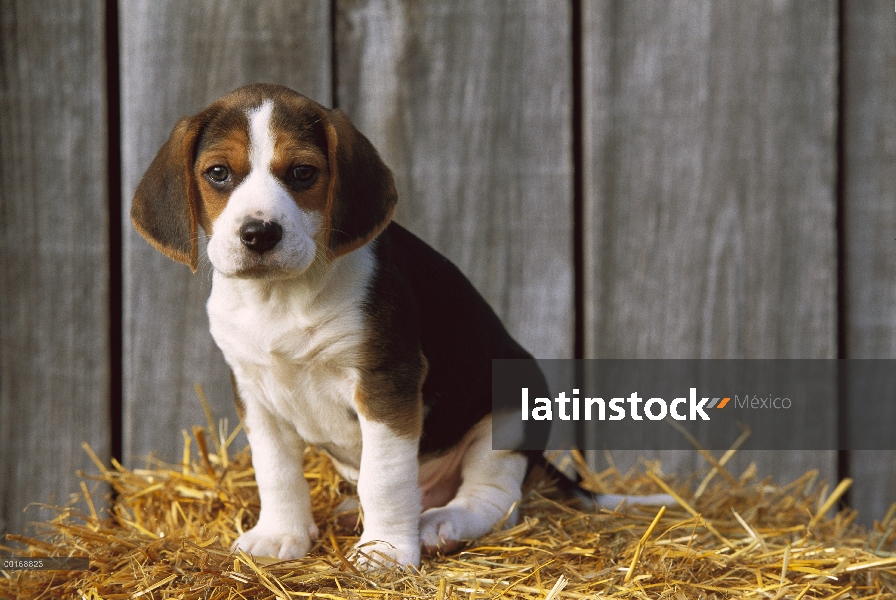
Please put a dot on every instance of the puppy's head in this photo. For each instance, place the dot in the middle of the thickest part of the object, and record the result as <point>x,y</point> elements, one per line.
<point>273,178</point>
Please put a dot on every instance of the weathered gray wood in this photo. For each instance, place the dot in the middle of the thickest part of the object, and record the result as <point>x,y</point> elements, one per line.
<point>54,279</point>
<point>709,166</point>
<point>470,104</point>
<point>176,58</point>
<point>874,484</point>
<point>869,170</point>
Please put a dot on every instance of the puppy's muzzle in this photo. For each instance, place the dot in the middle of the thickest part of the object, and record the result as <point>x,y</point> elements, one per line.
<point>260,236</point>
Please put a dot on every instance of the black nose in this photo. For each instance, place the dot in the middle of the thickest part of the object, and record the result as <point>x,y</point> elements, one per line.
<point>260,236</point>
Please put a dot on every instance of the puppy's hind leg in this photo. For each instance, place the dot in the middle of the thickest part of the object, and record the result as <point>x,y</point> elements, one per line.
<point>491,485</point>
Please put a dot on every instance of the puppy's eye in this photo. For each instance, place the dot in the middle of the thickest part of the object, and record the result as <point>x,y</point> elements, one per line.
<point>303,173</point>
<point>218,174</point>
<point>301,176</point>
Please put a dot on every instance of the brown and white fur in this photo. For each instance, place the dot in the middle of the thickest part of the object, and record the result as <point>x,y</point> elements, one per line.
<point>341,329</point>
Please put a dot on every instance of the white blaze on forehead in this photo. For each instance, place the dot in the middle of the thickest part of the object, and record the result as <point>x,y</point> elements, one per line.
<point>261,139</point>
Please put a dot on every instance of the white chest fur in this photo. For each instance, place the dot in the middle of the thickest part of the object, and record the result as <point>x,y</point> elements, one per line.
<point>294,347</point>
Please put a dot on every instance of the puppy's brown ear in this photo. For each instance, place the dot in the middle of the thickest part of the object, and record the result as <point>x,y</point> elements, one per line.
<point>165,209</point>
<point>362,193</point>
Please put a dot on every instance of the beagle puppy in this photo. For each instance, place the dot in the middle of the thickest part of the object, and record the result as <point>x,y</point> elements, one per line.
<point>341,329</point>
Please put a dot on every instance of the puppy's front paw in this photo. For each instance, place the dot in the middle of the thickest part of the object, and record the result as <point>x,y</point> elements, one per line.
<point>377,555</point>
<point>282,543</point>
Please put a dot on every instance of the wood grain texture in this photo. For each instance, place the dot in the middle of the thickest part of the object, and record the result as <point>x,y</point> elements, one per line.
<point>54,279</point>
<point>176,57</point>
<point>709,175</point>
<point>869,210</point>
<point>469,103</point>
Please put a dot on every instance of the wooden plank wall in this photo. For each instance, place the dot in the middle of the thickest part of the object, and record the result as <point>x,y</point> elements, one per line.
<point>54,244</point>
<point>869,216</point>
<point>709,164</point>
<point>710,186</point>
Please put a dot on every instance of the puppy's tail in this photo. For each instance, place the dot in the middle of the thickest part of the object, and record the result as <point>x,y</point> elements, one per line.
<point>613,501</point>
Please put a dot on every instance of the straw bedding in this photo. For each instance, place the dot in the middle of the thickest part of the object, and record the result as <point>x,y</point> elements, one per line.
<point>168,531</point>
